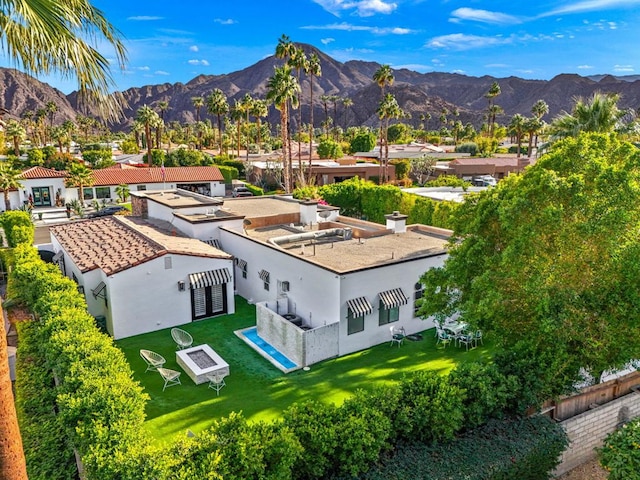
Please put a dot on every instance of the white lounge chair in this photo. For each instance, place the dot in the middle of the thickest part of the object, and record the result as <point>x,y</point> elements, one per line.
<point>152,359</point>
<point>170,377</point>
<point>182,338</point>
<point>216,381</point>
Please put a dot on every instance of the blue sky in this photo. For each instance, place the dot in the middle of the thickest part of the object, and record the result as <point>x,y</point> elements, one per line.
<point>176,41</point>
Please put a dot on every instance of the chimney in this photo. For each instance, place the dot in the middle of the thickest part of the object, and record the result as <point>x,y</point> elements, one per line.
<point>397,222</point>
<point>308,211</point>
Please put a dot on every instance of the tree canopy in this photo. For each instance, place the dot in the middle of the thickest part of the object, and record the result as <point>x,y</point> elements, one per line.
<point>549,260</point>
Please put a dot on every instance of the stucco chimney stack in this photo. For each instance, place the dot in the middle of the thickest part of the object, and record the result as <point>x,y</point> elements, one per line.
<point>308,212</point>
<point>397,222</point>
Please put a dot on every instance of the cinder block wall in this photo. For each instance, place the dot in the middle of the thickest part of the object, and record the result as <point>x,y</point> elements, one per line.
<point>588,430</point>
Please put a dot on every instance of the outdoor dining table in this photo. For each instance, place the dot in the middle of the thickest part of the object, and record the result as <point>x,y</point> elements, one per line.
<point>455,327</point>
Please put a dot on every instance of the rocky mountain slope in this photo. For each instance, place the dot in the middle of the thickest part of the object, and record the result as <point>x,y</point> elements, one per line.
<point>417,93</point>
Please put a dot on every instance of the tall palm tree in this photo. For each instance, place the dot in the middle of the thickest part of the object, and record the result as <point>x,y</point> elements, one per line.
<point>282,89</point>
<point>59,135</point>
<point>259,109</point>
<point>9,180</point>
<point>149,118</point>
<point>246,104</point>
<point>285,47</point>
<point>346,104</point>
<point>387,110</point>
<point>325,99</point>
<point>517,128</point>
<point>236,114</point>
<point>313,69</point>
<point>162,107</point>
<point>493,92</point>
<point>198,103</point>
<point>217,105</point>
<point>298,60</point>
<point>539,110</point>
<point>79,176</point>
<point>532,126</point>
<point>16,132</point>
<point>599,114</point>
<point>383,76</point>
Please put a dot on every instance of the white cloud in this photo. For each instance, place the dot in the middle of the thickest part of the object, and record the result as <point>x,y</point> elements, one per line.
<point>227,21</point>
<point>416,67</point>
<point>194,48</point>
<point>349,27</point>
<point>585,67</point>
<point>461,72</point>
<point>362,8</point>
<point>204,63</point>
<point>144,18</point>
<point>496,65</point>
<point>143,69</point>
<point>590,6</point>
<point>483,16</point>
<point>461,41</point>
<point>327,41</point>
<point>161,72</point>
<point>623,68</point>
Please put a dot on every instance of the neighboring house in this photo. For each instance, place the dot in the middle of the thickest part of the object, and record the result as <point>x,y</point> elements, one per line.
<point>498,167</point>
<point>205,180</point>
<point>345,282</point>
<point>139,277</point>
<point>450,194</point>
<point>46,187</point>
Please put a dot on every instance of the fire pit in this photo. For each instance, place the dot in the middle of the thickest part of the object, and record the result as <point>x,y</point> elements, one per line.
<point>200,361</point>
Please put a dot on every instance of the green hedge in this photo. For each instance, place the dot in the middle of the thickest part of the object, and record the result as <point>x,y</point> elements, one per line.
<point>517,449</point>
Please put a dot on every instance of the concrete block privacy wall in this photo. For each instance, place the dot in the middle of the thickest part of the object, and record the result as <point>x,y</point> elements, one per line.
<point>588,430</point>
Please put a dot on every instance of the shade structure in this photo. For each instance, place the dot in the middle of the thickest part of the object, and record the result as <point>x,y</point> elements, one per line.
<point>209,278</point>
<point>359,306</point>
<point>393,298</point>
<point>264,276</point>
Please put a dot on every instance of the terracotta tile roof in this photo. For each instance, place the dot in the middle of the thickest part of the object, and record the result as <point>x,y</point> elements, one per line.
<point>114,244</point>
<point>135,175</point>
<point>41,172</point>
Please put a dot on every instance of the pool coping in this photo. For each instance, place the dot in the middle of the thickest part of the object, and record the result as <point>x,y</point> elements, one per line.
<point>262,353</point>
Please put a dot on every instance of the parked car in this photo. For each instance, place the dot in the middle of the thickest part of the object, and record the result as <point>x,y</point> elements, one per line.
<point>109,210</point>
<point>241,192</point>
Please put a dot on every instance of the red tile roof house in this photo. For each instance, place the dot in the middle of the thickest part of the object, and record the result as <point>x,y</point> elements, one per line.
<point>143,277</point>
<point>45,185</point>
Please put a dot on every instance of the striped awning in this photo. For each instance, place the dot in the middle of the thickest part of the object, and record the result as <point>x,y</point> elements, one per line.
<point>56,258</point>
<point>264,276</point>
<point>99,290</point>
<point>211,277</point>
<point>242,264</point>
<point>214,242</point>
<point>393,298</point>
<point>359,306</point>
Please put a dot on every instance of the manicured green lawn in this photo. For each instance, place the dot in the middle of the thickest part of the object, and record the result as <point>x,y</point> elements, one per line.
<point>260,390</point>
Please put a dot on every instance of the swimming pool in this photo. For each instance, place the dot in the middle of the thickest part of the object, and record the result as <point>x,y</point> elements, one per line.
<point>268,351</point>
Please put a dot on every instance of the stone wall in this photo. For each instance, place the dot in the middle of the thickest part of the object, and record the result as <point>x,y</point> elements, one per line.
<point>588,430</point>
<point>321,343</point>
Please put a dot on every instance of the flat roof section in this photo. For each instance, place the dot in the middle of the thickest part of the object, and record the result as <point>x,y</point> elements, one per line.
<point>178,198</point>
<point>344,256</point>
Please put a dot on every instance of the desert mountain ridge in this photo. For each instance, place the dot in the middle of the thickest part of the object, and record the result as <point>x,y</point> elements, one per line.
<point>417,93</point>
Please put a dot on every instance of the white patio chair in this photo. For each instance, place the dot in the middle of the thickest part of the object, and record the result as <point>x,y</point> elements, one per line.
<point>152,359</point>
<point>467,339</point>
<point>170,377</point>
<point>397,335</point>
<point>443,337</point>
<point>216,381</point>
<point>182,338</point>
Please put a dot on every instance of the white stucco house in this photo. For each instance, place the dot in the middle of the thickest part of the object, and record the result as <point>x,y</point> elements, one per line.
<point>138,277</point>
<point>324,285</point>
<point>45,187</point>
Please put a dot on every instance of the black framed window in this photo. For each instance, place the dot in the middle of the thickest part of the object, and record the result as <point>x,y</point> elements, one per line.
<point>354,324</point>
<point>388,315</point>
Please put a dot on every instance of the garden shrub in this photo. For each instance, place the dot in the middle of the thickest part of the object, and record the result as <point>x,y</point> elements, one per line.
<point>514,449</point>
<point>94,157</point>
<point>257,191</point>
<point>229,173</point>
<point>402,168</point>
<point>363,142</point>
<point>523,149</point>
<point>330,149</point>
<point>620,454</point>
<point>12,219</point>
<point>228,162</point>
<point>468,147</point>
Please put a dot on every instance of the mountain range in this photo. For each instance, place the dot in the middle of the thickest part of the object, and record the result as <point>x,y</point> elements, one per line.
<point>417,93</point>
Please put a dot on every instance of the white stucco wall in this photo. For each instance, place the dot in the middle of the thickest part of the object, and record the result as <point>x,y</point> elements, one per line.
<point>146,298</point>
<point>53,184</point>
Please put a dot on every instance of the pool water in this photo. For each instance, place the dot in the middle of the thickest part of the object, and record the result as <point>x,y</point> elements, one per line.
<point>277,357</point>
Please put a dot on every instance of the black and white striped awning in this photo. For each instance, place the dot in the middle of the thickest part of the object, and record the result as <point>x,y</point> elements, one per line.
<point>57,257</point>
<point>211,277</point>
<point>393,298</point>
<point>264,276</point>
<point>214,242</point>
<point>242,264</point>
<point>359,306</point>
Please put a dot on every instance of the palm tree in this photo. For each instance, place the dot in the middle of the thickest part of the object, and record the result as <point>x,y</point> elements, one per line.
<point>259,109</point>
<point>387,110</point>
<point>313,69</point>
<point>79,176</point>
<point>162,107</point>
<point>599,114</point>
<point>285,47</point>
<point>237,114</point>
<point>517,128</point>
<point>532,126</point>
<point>149,118</point>
<point>70,128</point>
<point>493,92</point>
<point>9,180</point>
<point>59,135</point>
<point>246,104</point>
<point>52,108</point>
<point>539,110</point>
<point>198,103</point>
<point>282,89</point>
<point>123,192</point>
<point>325,99</point>
<point>17,133</point>
<point>383,77</point>
<point>217,105</point>
<point>298,60</point>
